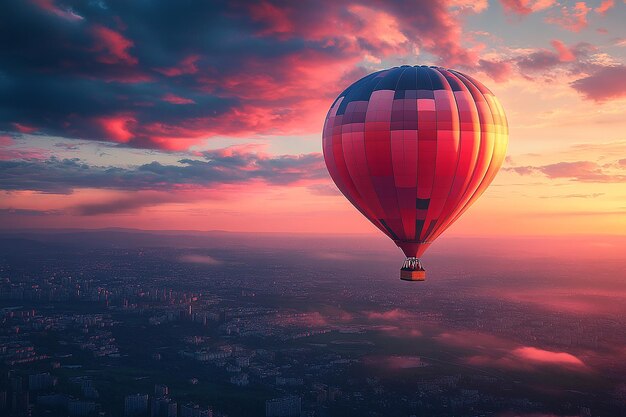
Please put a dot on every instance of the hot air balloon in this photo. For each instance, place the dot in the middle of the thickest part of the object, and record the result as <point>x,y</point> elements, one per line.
<point>412,148</point>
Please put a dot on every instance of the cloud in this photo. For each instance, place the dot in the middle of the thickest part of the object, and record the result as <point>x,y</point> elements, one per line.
<point>541,356</point>
<point>200,259</point>
<point>186,66</point>
<point>582,171</point>
<point>174,99</point>
<point>28,212</point>
<point>22,128</point>
<point>50,7</point>
<point>605,6</point>
<point>613,149</point>
<point>231,68</point>
<point>399,331</point>
<point>506,354</point>
<point>112,47</point>
<point>7,154</point>
<point>498,70</point>
<point>541,60</point>
<point>327,189</point>
<point>123,204</point>
<point>233,165</point>
<point>526,7</point>
<point>604,84</point>
<point>565,53</point>
<point>391,315</point>
<point>592,195</point>
<point>573,19</point>
<point>117,127</point>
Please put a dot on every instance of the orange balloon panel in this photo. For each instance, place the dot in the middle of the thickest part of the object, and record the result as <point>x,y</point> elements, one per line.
<point>413,147</point>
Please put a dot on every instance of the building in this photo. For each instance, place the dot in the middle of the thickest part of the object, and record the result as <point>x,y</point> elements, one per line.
<point>241,380</point>
<point>164,407</point>
<point>283,407</point>
<point>38,382</point>
<point>80,408</point>
<point>161,390</point>
<point>136,405</point>
<point>194,410</point>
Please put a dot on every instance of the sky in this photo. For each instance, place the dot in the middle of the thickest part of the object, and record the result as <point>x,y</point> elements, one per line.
<point>193,115</point>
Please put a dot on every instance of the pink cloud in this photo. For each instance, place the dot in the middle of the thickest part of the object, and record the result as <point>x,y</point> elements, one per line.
<point>473,6</point>
<point>526,7</point>
<point>395,314</point>
<point>50,7</point>
<point>605,6</point>
<point>541,356</point>
<point>174,99</point>
<point>583,301</point>
<point>571,169</point>
<point>565,53</point>
<point>527,170</point>
<point>117,128</point>
<point>7,153</point>
<point>22,128</point>
<point>583,171</point>
<point>399,331</point>
<point>374,30</point>
<point>11,154</point>
<point>275,19</point>
<point>395,362</point>
<point>499,71</point>
<point>200,259</point>
<point>607,83</point>
<point>574,19</point>
<point>260,93</point>
<point>113,46</point>
<point>187,66</point>
<point>527,358</point>
<point>545,59</point>
<point>244,121</point>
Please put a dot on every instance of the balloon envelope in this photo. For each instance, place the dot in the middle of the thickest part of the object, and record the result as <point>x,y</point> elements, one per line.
<point>413,147</point>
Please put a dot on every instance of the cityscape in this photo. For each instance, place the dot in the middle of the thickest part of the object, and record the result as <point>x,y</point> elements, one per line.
<point>315,208</point>
<point>130,323</point>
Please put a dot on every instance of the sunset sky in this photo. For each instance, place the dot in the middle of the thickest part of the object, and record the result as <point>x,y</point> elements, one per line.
<point>208,115</point>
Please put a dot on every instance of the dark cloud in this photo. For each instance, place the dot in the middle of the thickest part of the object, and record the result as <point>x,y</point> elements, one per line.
<point>164,74</point>
<point>604,84</point>
<point>29,212</point>
<point>560,56</point>
<point>122,204</point>
<point>498,70</point>
<point>225,166</point>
